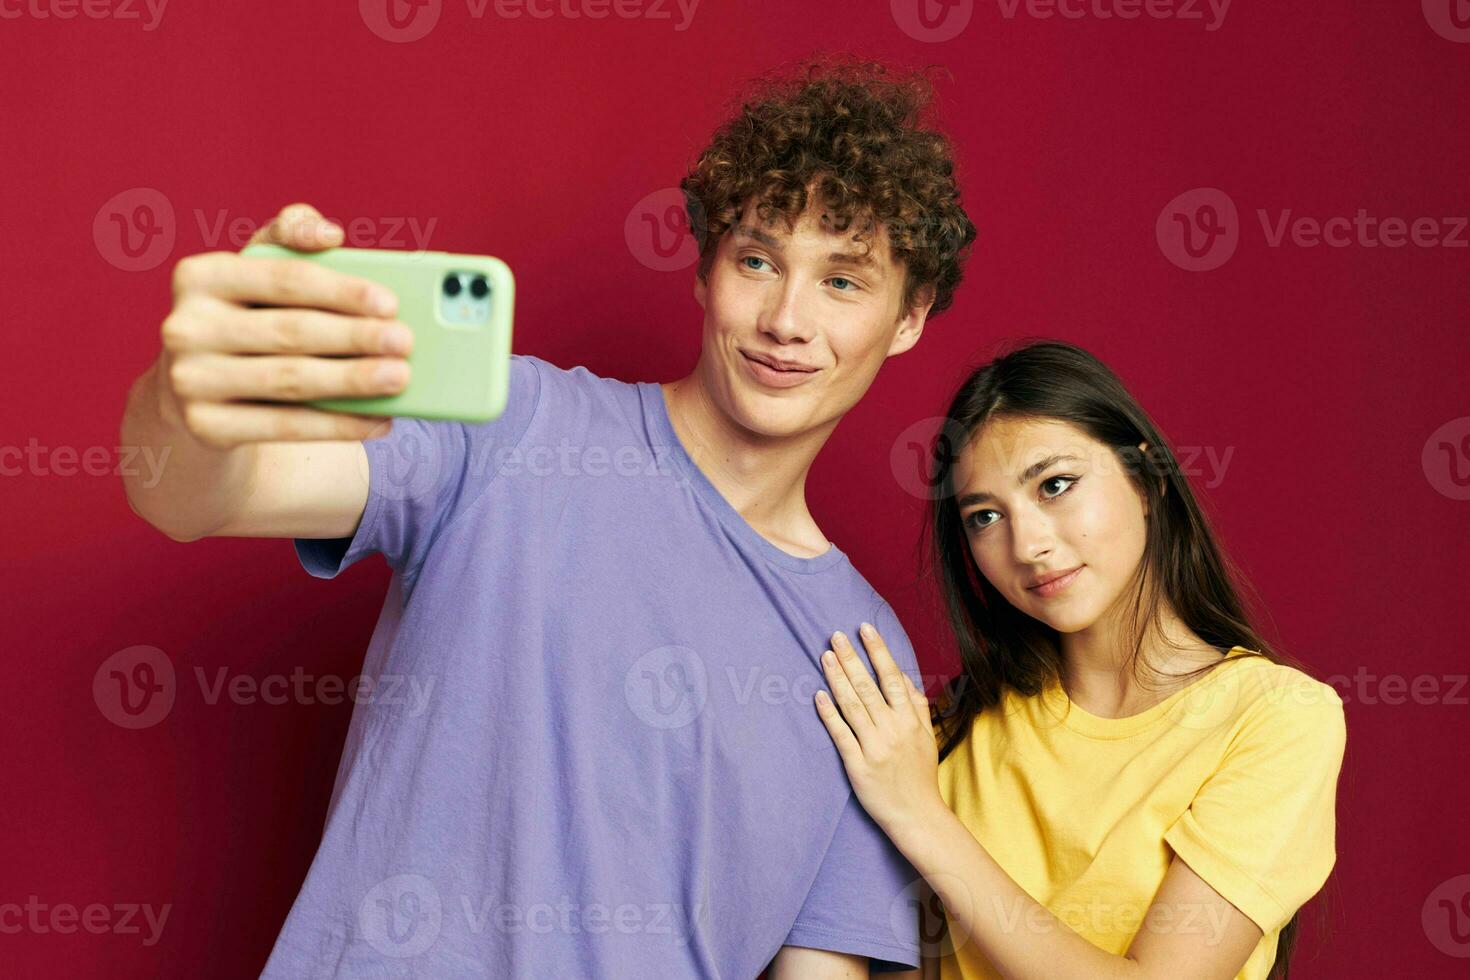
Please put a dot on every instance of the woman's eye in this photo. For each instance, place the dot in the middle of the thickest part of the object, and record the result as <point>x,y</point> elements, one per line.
<point>1070,481</point>
<point>976,521</point>
<point>848,281</point>
<point>750,258</point>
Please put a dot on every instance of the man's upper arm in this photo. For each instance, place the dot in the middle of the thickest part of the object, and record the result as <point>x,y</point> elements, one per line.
<point>865,898</point>
<point>416,482</point>
<point>801,963</point>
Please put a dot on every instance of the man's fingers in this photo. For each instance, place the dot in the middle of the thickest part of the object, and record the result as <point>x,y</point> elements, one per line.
<point>232,423</point>
<point>299,226</point>
<point>214,377</point>
<point>210,325</point>
<point>281,282</point>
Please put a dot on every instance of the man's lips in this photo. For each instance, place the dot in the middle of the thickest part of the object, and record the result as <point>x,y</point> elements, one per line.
<point>778,365</point>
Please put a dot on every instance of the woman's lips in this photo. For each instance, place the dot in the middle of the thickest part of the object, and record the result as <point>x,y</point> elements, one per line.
<point>1057,585</point>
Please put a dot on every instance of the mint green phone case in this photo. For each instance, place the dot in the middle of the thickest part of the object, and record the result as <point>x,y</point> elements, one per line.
<point>458,371</point>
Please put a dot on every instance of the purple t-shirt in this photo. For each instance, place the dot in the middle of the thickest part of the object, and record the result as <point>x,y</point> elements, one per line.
<point>585,746</point>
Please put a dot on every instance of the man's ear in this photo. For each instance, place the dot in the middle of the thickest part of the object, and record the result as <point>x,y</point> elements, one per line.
<point>912,324</point>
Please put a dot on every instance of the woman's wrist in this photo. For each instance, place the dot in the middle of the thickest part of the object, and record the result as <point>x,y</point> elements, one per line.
<point>911,831</point>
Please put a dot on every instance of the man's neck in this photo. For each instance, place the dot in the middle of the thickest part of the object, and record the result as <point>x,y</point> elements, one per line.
<point>764,480</point>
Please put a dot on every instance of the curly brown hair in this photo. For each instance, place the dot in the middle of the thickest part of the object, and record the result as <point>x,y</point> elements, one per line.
<point>851,132</point>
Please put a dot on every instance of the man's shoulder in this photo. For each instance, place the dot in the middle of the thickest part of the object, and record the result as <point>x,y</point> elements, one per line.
<point>881,614</point>
<point>570,387</point>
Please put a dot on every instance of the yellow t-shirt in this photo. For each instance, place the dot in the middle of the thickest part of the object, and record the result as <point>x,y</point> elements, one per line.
<point>1235,773</point>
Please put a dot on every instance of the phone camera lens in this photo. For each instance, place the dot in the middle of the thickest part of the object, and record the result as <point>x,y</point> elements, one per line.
<point>452,285</point>
<point>479,288</point>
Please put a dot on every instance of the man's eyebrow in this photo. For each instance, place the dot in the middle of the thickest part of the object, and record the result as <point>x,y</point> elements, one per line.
<point>1032,471</point>
<point>864,260</point>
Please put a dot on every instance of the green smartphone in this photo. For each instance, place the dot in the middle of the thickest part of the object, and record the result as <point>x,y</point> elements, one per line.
<point>459,308</point>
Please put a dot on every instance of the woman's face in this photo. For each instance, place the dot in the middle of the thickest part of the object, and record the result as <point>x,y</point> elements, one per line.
<point>1039,497</point>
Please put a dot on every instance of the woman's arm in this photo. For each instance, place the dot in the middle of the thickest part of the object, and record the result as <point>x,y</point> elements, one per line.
<point>888,746</point>
<point>1189,931</point>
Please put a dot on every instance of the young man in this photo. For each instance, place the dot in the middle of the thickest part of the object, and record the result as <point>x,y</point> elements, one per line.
<point>614,593</point>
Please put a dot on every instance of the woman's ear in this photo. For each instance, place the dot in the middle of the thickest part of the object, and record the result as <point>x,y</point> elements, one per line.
<point>1143,458</point>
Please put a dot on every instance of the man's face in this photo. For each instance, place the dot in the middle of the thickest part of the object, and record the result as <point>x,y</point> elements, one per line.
<point>809,299</point>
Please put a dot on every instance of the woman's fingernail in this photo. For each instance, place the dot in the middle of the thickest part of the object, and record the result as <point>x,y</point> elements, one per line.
<point>828,660</point>
<point>866,629</point>
<point>840,637</point>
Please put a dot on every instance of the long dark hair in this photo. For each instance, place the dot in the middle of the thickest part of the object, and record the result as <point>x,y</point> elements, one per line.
<point>1002,648</point>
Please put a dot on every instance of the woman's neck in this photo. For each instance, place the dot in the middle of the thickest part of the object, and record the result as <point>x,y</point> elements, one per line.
<point>1102,677</point>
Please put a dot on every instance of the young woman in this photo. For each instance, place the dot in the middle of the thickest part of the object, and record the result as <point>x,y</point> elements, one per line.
<point>1124,780</point>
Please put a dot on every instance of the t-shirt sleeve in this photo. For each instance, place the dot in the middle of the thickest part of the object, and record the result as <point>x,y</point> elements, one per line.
<point>420,476</point>
<point>865,898</point>
<point>1261,830</point>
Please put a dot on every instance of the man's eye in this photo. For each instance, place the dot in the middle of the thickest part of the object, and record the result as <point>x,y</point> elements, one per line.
<point>836,279</point>
<point>752,258</point>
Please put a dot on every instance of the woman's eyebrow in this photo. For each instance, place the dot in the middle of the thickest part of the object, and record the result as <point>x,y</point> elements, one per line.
<point>982,496</point>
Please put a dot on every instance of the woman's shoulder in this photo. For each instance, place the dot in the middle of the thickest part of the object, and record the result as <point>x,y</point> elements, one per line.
<point>1268,694</point>
<point>1267,677</point>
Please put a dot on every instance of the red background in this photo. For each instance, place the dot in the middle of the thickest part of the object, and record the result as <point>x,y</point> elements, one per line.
<point>1325,371</point>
